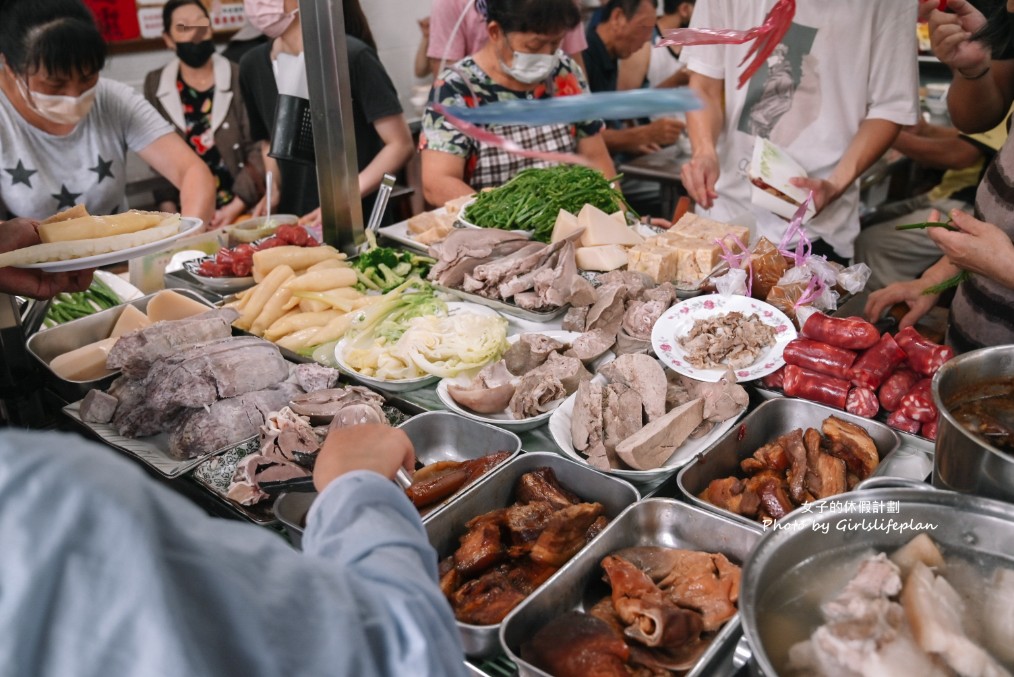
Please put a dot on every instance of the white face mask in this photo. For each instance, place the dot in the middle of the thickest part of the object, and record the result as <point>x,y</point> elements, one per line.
<point>531,68</point>
<point>58,109</point>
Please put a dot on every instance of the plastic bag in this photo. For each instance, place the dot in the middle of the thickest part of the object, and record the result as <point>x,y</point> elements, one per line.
<point>768,266</point>
<point>854,278</point>
<point>783,296</point>
<point>733,282</point>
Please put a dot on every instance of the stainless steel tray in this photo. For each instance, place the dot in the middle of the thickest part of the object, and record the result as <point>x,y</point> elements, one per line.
<point>765,423</point>
<point>48,344</point>
<point>653,522</point>
<point>504,307</point>
<point>436,436</point>
<point>497,491</point>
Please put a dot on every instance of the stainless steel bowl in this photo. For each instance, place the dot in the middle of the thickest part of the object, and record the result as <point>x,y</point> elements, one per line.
<point>964,461</point>
<point>497,491</point>
<point>799,551</point>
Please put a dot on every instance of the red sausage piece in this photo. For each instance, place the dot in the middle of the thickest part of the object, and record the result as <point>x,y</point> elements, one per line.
<point>775,380</point>
<point>896,386</point>
<point>929,430</point>
<point>924,355</point>
<point>815,387</point>
<point>877,363</point>
<point>899,421</point>
<point>862,402</point>
<point>917,404</point>
<point>819,357</point>
<point>851,333</point>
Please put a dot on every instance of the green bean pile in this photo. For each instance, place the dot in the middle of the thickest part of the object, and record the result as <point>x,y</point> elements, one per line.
<point>70,306</point>
<point>532,199</point>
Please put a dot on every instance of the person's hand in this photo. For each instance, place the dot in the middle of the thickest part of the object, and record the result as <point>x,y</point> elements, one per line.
<point>663,131</point>
<point>424,27</point>
<point>368,446</point>
<point>228,214</point>
<point>19,233</point>
<point>979,247</point>
<point>311,219</point>
<point>909,293</point>
<point>824,192</point>
<point>950,33</point>
<point>699,177</point>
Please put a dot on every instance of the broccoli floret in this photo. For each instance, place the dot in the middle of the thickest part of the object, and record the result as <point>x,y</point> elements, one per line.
<point>374,257</point>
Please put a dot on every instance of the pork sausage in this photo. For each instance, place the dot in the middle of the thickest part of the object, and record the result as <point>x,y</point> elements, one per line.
<point>917,404</point>
<point>877,363</point>
<point>815,387</point>
<point>924,355</point>
<point>862,402</point>
<point>851,333</point>
<point>820,357</point>
<point>899,421</point>
<point>897,386</point>
<point>775,380</point>
<point>929,429</point>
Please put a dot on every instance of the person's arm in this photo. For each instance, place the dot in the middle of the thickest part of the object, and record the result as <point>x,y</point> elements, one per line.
<point>171,157</point>
<point>871,141</point>
<point>398,148</point>
<point>18,234</point>
<point>703,127</point>
<point>940,148</point>
<point>443,177</point>
<point>982,89</point>
<point>632,70</point>
<point>643,138</point>
<point>680,78</point>
<point>421,67</point>
<point>593,148</point>
<point>911,294</point>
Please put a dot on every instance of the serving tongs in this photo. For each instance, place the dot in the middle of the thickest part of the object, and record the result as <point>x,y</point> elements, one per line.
<point>305,484</point>
<point>377,214</point>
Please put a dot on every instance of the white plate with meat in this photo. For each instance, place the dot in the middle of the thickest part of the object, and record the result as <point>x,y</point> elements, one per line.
<point>505,418</point>
<point>560,429</point>
<point>699,337</point>
<point>188,225</point>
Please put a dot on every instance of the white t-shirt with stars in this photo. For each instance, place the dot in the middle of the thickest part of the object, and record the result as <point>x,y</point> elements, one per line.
<point>41,174</point>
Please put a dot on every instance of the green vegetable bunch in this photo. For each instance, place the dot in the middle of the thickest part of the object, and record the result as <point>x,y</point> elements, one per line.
<point>388,319</point>
<point>382,268</point>
<point>950,282</point>
<point>70,306</point>
<point>533,198</point>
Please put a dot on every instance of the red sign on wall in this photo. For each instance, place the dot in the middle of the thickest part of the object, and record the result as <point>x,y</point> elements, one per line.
<point>117,19</point>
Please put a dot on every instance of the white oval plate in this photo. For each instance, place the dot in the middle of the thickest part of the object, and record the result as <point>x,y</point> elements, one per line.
<point>505,419</point>
<point>220,284</point>
<point>188,226</point>
<point>678,320</point>
<point>559,428</point>
<point>403,385</point>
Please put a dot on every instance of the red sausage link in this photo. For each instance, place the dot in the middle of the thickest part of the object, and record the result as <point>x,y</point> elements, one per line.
<point>929,430</point>
<point>924,355</point>
<point>775,380</point>
<point>851,333</point>
<point>862,402</point>
<point>899,421</point>
<point>917,404</point>
<point>815,387</point>
<point>897,386</point>
<point>819,357</point>
<point>874,365</point>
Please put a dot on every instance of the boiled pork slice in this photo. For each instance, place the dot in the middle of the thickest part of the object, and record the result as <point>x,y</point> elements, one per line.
<point>312,377</point>
<point>591,345</point>
<point>586,419</point>
<point>628,345</point>
<point>255,468</point>
<point>569,371</point>
<point>640,317</point>
<point>98,407</point>
<point>621,416</point>
<point>322,406</point>
<point>529,352</point>
<point>227,422</point>
<point>575,319</point>
<point>651,446</point>
<point>645,375</point>
<point>536,394</point>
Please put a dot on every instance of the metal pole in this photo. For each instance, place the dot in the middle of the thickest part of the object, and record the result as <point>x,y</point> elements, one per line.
<point>334,139</point>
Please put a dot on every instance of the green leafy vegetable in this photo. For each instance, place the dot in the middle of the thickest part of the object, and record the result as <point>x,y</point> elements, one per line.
<point>71,306</point>
<point>533,198</point>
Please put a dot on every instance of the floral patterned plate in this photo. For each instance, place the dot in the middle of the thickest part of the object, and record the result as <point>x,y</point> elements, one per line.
<point>678,320</point>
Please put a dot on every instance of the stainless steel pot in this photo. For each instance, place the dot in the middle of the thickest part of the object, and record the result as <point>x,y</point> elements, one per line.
<point>963,461</point>
<point>799,551</point>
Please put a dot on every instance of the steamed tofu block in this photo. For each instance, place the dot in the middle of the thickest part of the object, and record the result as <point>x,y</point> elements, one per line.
<point>696,256</point>
<point>692,225</point>
<point>658,263</point>
<point>602,259</point>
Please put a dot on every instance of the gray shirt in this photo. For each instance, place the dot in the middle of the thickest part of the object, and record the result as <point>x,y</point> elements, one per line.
<point>42,173</point>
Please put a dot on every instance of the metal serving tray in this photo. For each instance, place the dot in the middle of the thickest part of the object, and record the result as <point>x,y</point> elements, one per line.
<point>504,307</point>
<point>47,344</point>
<point>437,436</point>
<point>497,491</point>
<point>761,426</point>
<point>658,522</point>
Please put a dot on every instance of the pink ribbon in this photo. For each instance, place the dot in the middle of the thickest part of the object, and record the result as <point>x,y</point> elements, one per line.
<point>813,289</point>
<point>766,37</point>
<point>505,144</point>
<point>804,249</point>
